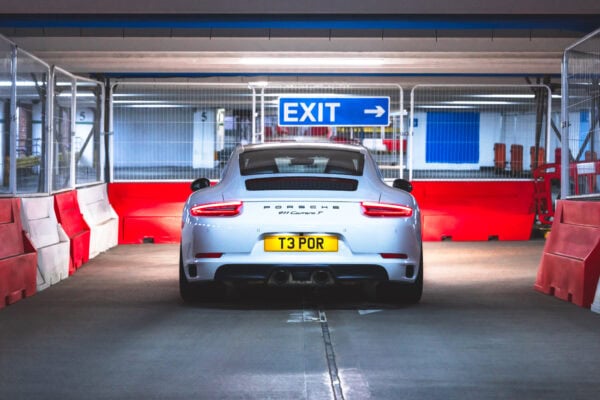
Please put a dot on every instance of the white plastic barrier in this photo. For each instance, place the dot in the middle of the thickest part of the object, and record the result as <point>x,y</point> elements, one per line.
<point>596,303</point>
<point>101,218</point>
<point>48,237</point>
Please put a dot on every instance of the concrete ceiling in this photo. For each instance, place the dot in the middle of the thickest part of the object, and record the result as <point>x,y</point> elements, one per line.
<point>409,40</point>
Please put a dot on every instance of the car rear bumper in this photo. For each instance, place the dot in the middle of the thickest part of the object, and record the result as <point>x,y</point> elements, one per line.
<point>359,270</point>
<point>300,273</point>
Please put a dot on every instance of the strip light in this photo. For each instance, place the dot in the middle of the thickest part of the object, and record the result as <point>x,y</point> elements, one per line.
<point>312,61</point>
<point>480,103</point>
<point>505,96</point>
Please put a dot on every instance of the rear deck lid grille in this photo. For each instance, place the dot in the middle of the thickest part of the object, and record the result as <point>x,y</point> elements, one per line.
<point>302,183</point>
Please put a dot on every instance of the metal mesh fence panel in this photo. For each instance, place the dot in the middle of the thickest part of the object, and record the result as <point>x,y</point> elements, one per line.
<point>177,131</point>
<point>32,133</point>
<point>88,137</point>
<point>180,131</point>
<point>5,95</point>
<point>61,143</point>
<point>581,105</point>
<point>478,132</point>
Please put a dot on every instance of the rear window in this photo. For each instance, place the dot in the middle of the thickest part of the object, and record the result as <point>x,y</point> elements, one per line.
<point>301,161</point>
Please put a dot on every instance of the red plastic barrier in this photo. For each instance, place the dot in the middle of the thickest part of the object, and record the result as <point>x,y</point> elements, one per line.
<point>71,219</point>
<point>319,131</point>
<point>570,265</point>
<point>456,210</point>
<point>476,210</point>
<point>149,211</point>
<point>393,145</point>
<point>18,258</point>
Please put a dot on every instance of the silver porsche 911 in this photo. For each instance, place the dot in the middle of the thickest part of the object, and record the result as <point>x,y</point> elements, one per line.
<point>301,213</point>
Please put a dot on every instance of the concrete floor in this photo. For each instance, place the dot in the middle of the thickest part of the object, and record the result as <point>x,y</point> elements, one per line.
<point>118,330</point>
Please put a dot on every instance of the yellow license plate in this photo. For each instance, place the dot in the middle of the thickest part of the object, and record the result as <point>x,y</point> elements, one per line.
<point>308,243</point>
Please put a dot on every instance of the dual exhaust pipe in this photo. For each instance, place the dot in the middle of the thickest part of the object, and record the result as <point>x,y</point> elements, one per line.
<point>319,277</point>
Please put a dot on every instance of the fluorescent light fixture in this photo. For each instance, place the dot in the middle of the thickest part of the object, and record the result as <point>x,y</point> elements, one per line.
<point>138,102</point>
<point>511,96</point>
<point>445,107</point>
<point>19,83</point>
<point>68,94</point>
<point>31,83</point>
<point>148,104</point>
<point>156,106</point>
<point>312,61</point>
<point>505,96</point>
<point>480,103</point>
<point>258,84</point>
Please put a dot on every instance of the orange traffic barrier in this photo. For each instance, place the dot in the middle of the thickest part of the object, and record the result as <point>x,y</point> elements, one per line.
<point>499,156</point>
<point>516,159</point>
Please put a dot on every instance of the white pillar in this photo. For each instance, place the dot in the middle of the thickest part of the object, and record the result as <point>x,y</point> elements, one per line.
<point>204,135</point>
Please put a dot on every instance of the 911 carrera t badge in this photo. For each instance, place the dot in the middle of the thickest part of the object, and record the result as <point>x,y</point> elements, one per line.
<point>300,212</point>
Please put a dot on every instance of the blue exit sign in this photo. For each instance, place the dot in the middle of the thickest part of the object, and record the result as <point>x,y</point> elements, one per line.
<point>334,111</point>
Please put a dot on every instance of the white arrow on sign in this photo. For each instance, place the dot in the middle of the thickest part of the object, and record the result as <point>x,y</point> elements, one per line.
<point>378,111</point>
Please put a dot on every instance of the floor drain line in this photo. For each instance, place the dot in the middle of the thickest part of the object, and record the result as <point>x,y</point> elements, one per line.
<point>336,385</point>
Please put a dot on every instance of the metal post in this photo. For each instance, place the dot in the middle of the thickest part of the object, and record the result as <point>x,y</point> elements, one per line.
<point>72,177</point>
<point>102,133</point>
<point>548,123</point>
<point>253,115</point>
<point>262,115</point>
<point>410,134</point>
<point>564,159</point>
<point>110,135</point>
<point>50,132</point>
<point>12,181</point>
<point>401,136</point>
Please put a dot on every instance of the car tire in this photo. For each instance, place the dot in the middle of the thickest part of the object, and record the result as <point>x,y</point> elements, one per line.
<point>406,293</point>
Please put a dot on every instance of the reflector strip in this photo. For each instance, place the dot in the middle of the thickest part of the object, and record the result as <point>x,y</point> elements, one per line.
<point>209,255</point>
<point>394,255</point>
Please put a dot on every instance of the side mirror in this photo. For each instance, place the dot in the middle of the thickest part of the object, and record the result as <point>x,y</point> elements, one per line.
<point>403,184</point>
<point>200,183</point>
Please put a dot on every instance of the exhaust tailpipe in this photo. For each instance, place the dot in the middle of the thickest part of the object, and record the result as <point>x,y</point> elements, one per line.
<point>321,277</point>
<point>280,277</point>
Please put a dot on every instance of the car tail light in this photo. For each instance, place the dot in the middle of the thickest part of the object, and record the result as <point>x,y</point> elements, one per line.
<point>221,209</point>
<point>376,209</point>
